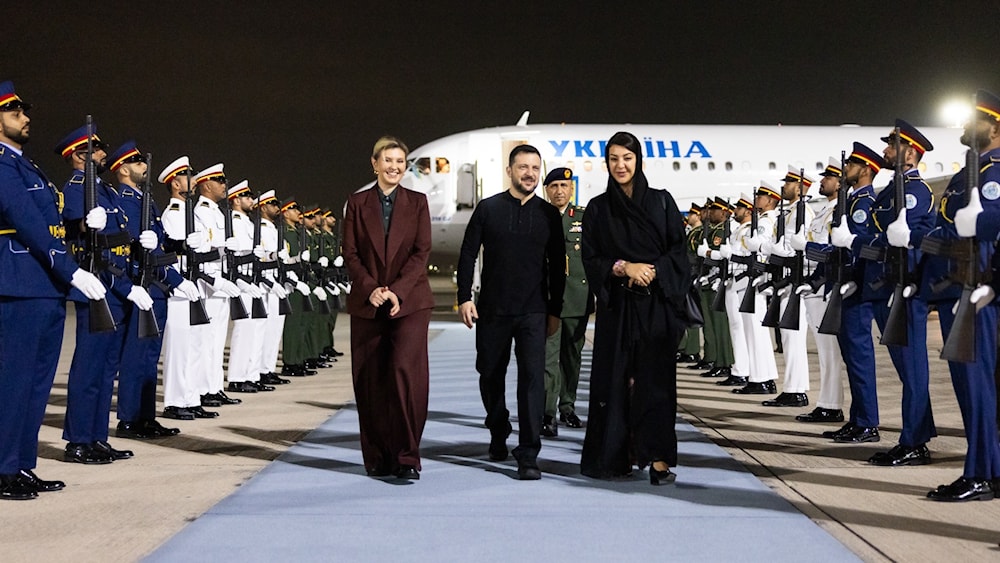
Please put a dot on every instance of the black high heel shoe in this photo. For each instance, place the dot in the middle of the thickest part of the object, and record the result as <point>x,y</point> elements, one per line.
<point>657,477</point>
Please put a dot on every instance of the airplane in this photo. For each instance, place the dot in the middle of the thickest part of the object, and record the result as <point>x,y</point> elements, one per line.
<point>693,162</point>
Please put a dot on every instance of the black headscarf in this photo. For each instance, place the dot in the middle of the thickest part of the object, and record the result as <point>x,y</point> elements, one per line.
<point>633,233</point>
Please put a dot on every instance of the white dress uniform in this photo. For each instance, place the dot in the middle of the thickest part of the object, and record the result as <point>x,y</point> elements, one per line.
<point>266,357</point>
<point>793,342</point>
<point>758,337</point>
<point>210,221</point>
<point>248,334</point>
<point>831,386</point>
<point>183,344</point>
<point>734,296</point>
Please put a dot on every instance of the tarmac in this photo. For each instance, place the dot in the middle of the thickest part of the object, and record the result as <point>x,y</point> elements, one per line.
<point>127,510</point>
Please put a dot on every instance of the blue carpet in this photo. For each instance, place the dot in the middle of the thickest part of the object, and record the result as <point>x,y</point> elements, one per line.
<point>315,502</point>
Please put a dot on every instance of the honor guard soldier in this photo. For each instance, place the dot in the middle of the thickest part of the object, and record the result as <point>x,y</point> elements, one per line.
<point>763,369</point>
<point>830,405</point>
<point>331,267</point>
<point>737,282</point>
<point>91,383</point>
<point>294,348</point>
<point>718,346</point>
<point>267,253</point>
<point>210,223</point>
<point>901,228</point>
<point>248,333</point>
<point>563,350</point>
<point>137,377</point>
<point>36,270</point>
<point>978,220</point>
<point>690,346</point>
<point>319,335</point>
<point>857,314</point>
<point>698,271</point>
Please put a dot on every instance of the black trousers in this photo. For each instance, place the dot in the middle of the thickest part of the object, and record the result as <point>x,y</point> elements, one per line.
<point>493,342</point>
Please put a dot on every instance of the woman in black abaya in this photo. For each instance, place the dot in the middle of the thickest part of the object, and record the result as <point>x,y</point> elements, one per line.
<point>633,253</point>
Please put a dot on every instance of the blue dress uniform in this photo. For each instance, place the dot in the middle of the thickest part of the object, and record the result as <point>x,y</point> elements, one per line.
<point>97,356</point>
<point>137,376</point>
<point>910,361</point>
<point>35,271</point>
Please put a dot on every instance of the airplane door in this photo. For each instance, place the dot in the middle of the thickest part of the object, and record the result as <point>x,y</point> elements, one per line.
<point>467,188</point>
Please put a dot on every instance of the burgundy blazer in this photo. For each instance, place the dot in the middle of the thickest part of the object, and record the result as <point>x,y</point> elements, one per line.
<point>399,263</point>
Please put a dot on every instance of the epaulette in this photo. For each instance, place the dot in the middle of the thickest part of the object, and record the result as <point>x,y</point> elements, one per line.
<point>174,207</point>
<point>76,179</point>
<point>236,216</point>
<point>128,193</point>
<point>205,204</point>
<point>3,150</point>
<point>988,165</point>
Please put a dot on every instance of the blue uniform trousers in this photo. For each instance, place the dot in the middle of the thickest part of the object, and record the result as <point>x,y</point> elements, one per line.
<point>31,333</point>
<point>92,377</point>
<point>976,393</point>
<point>858,351</point>
<point>911,364</point>
<point>138,372</point>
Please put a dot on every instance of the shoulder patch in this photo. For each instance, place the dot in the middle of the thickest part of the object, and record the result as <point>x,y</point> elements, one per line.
<point>174,207</point>
<point>859,216</point>
<point>76,180</point>
<point>204,204</point>
<point>991,190</point>
<point>236,216</point>
<point>128,193</point>
<point>911,201</point>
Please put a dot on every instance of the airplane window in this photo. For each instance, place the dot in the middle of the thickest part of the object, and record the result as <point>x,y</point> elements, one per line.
<point>677,166</point>
<point>729,167</point>
<point>443,166</point>
<point>939,167</point>
<point>711,166</point>
<point>694,165</point>
<point>819,166</point>
<point>588,165</point>
<point>422,166</point>
<point>771,166</point>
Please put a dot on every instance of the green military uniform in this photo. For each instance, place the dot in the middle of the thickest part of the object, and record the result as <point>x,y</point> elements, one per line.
<point>331,250</point>
<point>718,342</point>
<point>564,348</point>
<point>321,337</point>
<point>691,342</point>
<point>295,345</point>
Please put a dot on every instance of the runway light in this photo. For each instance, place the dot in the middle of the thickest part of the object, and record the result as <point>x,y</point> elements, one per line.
<point>955,113</point>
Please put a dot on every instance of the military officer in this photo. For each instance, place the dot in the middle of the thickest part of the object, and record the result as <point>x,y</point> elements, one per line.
<point>563,350</point>
<point>97,355</point>
<point>267,355</point>
<point>690,346</point>
<point>138,375</point>
<point>973,381</point>
<point>331,266</point>
<point>36,270</point>
<point>294,348</point>
<point>737,286</point>
<point>855,338</point>
<point>829,406</point>
<point>718,345</point>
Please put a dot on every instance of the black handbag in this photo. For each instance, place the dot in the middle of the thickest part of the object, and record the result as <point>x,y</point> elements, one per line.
<point>692,308</point>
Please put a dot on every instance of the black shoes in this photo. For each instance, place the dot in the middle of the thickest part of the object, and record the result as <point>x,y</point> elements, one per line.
<point>316,363</point>
<point>657,477</point>
<point>733,381</point>
<point>858,435</point>
<point>158,430</point>
<point>261,386</point>
<point>683,358</point>
<point>498,444</point>
<point>408,472</point>
<point>819,414</point>
<point>210,400</point>
<point>902,455</point>
<point>226,399</point>
<point>85,454</point>
<point>788,400</point>
<point>29,478</point>
<point>702,364</point>
<point>15,487</point>
<point>721,371</point>
<point>146,429</point>
<point>757,388</point>
<point>199,412</point>
<point>528,471</point>
<point>839,432</point>
<point>570,419</point>
<point>105,448</point>
<point>241,387</point>
<point>296,370</point>
<point>550,428</point>
<point>332,352</point>
<point>964,490</point>
<point>271,378</point>
<point>178,413</point>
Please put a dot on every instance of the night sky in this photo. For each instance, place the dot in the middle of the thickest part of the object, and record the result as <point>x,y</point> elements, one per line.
<point>292,95</point>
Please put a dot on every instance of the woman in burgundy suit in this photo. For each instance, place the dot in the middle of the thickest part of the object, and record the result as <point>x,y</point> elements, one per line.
<point>387,240</point>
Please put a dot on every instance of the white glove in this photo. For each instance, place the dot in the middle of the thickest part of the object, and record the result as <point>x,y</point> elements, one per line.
<point>702,249</point>
<point>777,248</point>
<point>302,288</point>
<point>335,289</point>
<point>195,240</point>
<point>278,291</point>
<point>715,255</point>
<point>148,239</point>
<point>754,242</point>
<point>716,284</point>
<point>225,287</point>
<point>232,244</point>
<point>898,232</point>
<point>293,276</point>
<point>841,236</point>
<point>982,296</point>
<point>305,255</point>
<point>797,241</point>
<point>725,251</point>
<point>88,284</point>
<point>140,297</point>
<point>320,293</point>
<point>965,218</point>
<point>97,218</point>
<point>283,255</point>
<point>189,290</point>
<point>338,262</point>
<point>259,252</point>
<point>848,289</point>
<point>803,289</point>
<point>346,287</point>
<point>324,261</point>
<point>249,289</point>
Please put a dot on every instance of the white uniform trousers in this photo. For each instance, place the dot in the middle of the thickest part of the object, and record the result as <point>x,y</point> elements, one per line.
<point>213,376</point>
<point>831,383</point>
<point>741,355</point>
<point>244,345</point>
<point>183,347</point>
<point>793,343</point>
<point>267,353</point>
<point>758,338</point>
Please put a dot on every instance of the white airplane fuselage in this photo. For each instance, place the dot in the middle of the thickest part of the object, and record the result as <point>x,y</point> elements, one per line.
<point>693,162</point>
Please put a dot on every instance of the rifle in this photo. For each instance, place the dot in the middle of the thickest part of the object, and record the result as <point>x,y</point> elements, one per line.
<point>196,309</point>
<point>148,327</point>
<point>284,305</point>
<point>837,264</point>
<point>748,305</point>
<point>895,332</point>
<point>790,318</point>
<point>324,306</point>
<point>776,267</point>
<point>237,310</point>
<point>101,319</point>
<point>257,308</point>
<point>719,301</point>
<point>307,303</point>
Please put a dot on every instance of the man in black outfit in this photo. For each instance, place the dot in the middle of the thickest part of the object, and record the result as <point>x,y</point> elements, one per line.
<point>522,280</point>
